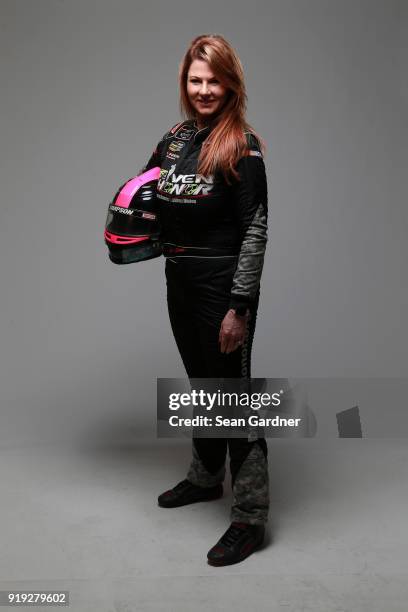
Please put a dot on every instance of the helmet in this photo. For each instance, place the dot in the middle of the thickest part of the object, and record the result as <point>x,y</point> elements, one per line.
<point>132,229</point>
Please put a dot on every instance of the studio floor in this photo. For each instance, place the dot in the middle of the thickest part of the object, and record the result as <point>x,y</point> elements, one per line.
<point>86,520</point>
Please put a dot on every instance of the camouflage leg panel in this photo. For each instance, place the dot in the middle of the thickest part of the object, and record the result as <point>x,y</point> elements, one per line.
<point>199,475</point>
<point>250,487</point>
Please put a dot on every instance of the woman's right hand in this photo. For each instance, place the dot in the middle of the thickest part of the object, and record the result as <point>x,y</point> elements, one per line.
<point>233,331</point>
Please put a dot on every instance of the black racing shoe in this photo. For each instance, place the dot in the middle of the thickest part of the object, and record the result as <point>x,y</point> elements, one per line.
<point>238,542</point>
<point>185,492</point>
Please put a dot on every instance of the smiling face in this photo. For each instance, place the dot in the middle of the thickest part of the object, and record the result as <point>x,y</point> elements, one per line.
<point>205,92</point>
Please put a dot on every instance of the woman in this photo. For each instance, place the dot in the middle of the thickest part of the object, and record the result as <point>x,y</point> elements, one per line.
<point>213,213</point>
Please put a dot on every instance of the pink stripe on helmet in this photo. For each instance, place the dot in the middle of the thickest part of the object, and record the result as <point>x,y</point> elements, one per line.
<point>115,239</point>
<point>128,191</point>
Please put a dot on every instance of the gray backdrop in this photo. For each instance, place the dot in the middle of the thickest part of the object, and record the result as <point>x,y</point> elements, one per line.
<point>88,88</point>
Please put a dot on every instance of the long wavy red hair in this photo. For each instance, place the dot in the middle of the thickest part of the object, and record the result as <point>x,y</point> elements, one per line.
<point>226,143</point>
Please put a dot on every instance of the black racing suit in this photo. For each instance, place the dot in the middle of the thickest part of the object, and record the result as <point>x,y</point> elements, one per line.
<point>214,237</point>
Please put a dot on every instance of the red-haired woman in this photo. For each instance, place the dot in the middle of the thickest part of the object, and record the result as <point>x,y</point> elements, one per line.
<point>213,213</point>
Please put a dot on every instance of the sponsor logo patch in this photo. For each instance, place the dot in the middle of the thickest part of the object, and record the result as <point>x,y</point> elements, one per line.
<point>176,146</point>
<point>172,156</point>
<point>184,133</point>
<point>184,184</point>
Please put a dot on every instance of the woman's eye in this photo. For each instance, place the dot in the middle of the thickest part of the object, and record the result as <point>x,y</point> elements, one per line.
<point>214,82</point>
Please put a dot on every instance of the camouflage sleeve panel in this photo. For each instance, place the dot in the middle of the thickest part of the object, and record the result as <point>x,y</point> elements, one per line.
<point>251,200</point>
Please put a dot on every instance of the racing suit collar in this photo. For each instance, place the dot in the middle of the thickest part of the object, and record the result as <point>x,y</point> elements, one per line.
<point>202,133</point>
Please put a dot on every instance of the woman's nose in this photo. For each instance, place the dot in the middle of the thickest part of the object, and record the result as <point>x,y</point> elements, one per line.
<point>204,88</point>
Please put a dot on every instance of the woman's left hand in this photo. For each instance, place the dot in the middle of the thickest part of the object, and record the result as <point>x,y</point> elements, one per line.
<point>232,332</point>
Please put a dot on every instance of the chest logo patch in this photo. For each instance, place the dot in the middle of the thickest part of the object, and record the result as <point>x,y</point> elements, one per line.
<point>184,134</point>
<point>176,146</point>
<point>184,184</point>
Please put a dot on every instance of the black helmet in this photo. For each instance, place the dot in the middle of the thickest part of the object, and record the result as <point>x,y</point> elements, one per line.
<point>132,228</point>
